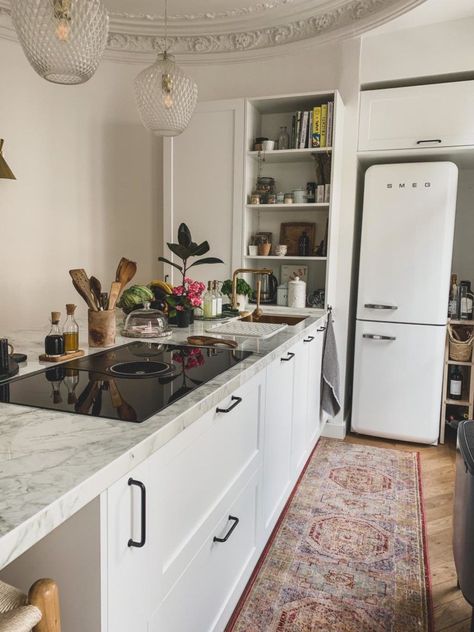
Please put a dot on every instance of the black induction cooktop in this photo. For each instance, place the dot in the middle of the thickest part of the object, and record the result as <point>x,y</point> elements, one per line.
<point>130,383</point>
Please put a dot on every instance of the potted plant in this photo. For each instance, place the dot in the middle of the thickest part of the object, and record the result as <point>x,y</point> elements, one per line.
<point>185,296</point>
<point>244,291</point>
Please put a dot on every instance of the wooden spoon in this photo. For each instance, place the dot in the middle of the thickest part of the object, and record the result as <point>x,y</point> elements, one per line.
<point>125,272</point>
<point>81,282</point>
<point>115,289</point>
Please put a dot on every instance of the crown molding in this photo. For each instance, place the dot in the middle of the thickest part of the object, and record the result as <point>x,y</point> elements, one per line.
<point>138,39</point>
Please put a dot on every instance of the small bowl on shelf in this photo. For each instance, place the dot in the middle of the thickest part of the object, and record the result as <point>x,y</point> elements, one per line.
<point>281,250</point>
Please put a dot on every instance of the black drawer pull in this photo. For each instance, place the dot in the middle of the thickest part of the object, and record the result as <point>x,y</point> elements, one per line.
<point>236,401</point>
<point>429,140</point>
<point>321,329</point>
<point>229,533</point>
<point>132,542</point>
<point>288,358</point>
<point>309,339</point>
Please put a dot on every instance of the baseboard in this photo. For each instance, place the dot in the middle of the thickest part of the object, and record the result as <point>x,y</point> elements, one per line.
<point>334,431</point>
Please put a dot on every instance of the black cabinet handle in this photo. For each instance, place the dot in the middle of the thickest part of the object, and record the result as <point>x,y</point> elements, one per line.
<point>309,339</point>
<point>287,359</point>
<point>229,533</point>
<point>321,329</point>
<point>142,488</point>
<point>429,140</point>
<point>236,401</point>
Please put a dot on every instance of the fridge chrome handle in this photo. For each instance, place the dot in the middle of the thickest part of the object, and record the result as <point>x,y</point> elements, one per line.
<point>378,337</point>
<point>379,306</point>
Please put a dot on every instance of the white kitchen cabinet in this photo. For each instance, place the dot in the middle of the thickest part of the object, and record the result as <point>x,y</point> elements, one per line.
<point>417,117</point>
<point>203,181</point>
<point>314,342</point>
<point>193,484</point>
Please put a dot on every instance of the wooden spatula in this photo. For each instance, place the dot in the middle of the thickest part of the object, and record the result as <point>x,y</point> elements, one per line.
<point>115,289</point>
<point>80,280</point>
<point>210,341</point>
<point>96,289</point>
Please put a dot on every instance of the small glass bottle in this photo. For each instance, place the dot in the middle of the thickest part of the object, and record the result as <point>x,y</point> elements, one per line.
<point>218,297</point>
<point>71,330</point>
<point>54,341</point>
<point>303,245</point>
<point>209,302</point>
<point>283,138</point>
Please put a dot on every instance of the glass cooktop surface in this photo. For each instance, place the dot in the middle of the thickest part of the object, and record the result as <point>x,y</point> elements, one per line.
<point>130,383</point>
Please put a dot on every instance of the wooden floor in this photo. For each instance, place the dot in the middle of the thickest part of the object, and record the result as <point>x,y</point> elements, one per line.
<point>451,612</point>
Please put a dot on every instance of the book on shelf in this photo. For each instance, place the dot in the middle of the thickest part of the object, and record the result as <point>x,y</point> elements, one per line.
<point>324,124</point>
<point>330,123</point>
<point>316,136</point>
<point>304,130</point>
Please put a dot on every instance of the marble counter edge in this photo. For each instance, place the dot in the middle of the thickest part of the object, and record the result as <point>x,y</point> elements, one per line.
<point>34,527</point>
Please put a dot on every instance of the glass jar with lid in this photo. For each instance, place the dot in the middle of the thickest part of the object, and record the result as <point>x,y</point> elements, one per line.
<point>146,323</point>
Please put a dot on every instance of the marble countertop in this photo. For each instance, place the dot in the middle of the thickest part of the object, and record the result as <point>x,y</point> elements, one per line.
<point>53,463</point>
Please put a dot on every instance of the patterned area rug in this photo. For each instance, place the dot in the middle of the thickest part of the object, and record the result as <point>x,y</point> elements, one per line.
<point>349,552</point>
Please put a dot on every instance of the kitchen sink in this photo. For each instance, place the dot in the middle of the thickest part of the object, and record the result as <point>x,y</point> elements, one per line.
<point>277,319</point>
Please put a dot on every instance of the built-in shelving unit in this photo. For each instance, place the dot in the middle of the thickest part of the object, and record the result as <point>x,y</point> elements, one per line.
<point>292,169</point>
<point>467,399</point>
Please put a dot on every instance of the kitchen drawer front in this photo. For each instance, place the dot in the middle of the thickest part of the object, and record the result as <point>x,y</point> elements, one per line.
<point>195,471</point>
<point>197,601</point>
<point>418,117</point>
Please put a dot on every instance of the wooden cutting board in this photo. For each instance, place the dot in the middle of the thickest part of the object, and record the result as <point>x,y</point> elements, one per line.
<point>66,356</point>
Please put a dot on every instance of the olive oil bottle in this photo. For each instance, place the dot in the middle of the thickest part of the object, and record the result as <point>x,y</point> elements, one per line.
<point>71,330</point>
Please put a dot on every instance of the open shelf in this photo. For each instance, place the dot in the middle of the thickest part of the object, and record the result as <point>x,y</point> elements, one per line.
<point>288,155</point>
<point>461,322</point>
<point>460,363</point>
<point>458,402</point>
<point>288,207</point>
<point>285,258</point>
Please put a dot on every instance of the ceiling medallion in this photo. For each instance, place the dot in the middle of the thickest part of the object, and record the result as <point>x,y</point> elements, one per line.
<point>345,17</point>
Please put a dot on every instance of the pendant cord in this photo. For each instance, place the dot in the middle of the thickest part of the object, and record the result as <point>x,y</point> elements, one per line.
<point>166,26</point>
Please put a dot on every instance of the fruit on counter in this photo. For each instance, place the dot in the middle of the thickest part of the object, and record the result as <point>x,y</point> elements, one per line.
<point>134,297</point>
<point>160,290</point>
<point>158,284</point>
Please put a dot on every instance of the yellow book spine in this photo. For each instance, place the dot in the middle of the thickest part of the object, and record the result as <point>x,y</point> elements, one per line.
<point>324,124</point>
<point>316,136</point>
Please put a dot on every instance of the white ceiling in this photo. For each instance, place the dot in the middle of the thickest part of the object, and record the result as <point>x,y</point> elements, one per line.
<point>430,12</point>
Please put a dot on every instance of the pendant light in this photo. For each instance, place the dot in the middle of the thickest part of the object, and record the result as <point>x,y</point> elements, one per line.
<point>165,95</point>
<point>63,40</point>
<point>5,171</point>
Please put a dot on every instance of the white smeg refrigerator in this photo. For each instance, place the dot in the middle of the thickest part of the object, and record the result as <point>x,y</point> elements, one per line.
<point>402,304</point>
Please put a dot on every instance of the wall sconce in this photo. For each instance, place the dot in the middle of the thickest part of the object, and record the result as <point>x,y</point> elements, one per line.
<point>5,171</point>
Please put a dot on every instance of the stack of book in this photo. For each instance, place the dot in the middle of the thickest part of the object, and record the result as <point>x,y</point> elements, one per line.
<point>313,128</point>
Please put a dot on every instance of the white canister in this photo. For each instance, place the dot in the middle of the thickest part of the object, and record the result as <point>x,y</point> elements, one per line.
<point>282,294</point>
<point>296,293</point>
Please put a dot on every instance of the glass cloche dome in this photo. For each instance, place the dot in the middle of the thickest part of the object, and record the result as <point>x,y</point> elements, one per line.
<point>146,323</point>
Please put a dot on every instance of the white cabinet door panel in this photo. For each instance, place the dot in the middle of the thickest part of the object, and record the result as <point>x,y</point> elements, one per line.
<point>398,378</point>
<point>315,352</point>
<point>411,117</point>
<point>300,408</point>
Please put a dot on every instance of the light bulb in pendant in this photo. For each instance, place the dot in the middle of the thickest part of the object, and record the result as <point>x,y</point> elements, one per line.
<point>167,87</point>
<point>62,15</point>
<point>167,100</point>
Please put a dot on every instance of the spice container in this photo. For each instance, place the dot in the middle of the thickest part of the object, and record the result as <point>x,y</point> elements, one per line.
<point>255,198</point>
<point>288,199</point>
<point>265,186</point>
<point>71,330</point>
<point>54,342</point>
<point>271,198</point>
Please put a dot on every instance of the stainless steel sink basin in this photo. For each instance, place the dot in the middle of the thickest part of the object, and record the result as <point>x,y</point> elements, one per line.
<point>278,319</point>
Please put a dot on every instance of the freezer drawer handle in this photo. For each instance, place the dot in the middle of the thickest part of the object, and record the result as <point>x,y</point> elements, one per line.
<point>287,359</point>
<point>309,339</point>
<point>378,337</point>
<point>234,399</point>
<point>429,140</point>
<point>142,541</point>
<point>377,306</point>
<point>235,520</point>
<point>321,329</point>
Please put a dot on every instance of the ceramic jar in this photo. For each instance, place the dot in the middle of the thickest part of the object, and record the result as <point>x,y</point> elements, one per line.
<point>296,293</point>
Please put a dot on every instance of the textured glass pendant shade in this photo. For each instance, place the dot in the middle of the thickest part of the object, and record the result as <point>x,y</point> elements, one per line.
<point>166,97</point>
<point>62,39</point>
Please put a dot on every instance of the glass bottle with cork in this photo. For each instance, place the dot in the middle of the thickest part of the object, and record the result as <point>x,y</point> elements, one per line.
<point>71,330</point>
<point>54,341</point>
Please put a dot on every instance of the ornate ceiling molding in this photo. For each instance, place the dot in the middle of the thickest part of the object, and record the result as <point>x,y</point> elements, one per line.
<point>137,37</point>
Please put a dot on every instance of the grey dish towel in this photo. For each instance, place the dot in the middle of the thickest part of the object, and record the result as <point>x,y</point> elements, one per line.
<point>330,402</point>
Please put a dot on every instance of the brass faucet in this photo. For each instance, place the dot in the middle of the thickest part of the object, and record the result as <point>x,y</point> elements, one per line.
<point>234,305</point>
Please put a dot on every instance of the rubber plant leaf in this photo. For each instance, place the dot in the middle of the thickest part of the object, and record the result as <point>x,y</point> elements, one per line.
<point>175,265</point>
<point>184,236</point>
<point>199,249</point>
<point>180,251</point>
<point>201,262</point>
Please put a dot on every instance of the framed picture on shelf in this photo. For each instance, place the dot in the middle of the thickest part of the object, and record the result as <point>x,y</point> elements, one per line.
<point>291,271</point>
<point>290,232</point>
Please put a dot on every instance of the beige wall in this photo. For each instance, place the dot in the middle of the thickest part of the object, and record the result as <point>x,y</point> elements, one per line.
<point>86,191</point>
